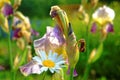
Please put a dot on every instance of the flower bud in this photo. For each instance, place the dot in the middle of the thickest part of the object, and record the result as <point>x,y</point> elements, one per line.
<point>95,54</point>
<point>4,23</point>
<point>94,2</point>
<point>29,57</point>
<point>16,61</point>
<point>21,43</point>
<point>61,18</point>
<point>17,3</point>
<point>19,15</point>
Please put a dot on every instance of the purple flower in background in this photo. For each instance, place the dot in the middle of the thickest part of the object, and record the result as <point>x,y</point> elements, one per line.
<point>75,72</point>
<point>94,28</point>
<point>16,33</point>
<point>34,32</point>
<point>7,9</point>
<point>109,27</point>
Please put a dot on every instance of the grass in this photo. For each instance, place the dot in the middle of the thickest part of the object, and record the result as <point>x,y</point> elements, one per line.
<point>107,67</point>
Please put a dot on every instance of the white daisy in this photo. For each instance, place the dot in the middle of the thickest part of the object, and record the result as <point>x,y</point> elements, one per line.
<point>52,61</point>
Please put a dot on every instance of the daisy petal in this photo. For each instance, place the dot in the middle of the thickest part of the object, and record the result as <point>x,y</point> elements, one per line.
<point>36,58</point>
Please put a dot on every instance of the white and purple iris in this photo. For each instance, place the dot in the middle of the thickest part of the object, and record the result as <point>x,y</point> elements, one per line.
<point>104,17</point>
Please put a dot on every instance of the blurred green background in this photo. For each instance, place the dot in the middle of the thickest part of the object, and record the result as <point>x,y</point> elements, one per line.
<point>106,68</point>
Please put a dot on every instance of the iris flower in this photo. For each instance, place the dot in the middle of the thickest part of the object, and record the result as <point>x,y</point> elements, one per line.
<point>43,62</point>
<point>104,17</point>
<point>52,40</point>
<point>22,28</point>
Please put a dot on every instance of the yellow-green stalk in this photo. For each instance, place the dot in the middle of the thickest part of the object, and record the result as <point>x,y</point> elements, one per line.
<point>62,21</point>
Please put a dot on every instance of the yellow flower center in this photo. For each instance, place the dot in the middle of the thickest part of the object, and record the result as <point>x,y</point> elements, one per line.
<point>48,63</point>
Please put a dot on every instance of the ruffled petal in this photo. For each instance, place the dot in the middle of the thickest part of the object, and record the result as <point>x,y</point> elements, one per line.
<point>31,68</point>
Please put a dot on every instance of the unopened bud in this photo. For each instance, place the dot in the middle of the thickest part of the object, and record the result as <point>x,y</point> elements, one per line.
<point>20,43</point>
<point>94,3</point>
<point>27,35</point>
<point>17,3</point>
<point>16,61</point>
<point>19,15</point>
<point>86,18</point>
<point>92,55</point>
<point>29,57</point>
<point>4,23</point>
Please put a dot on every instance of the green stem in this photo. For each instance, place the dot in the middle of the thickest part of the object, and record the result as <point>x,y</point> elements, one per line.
<point>85,77</point>
<point>10,52</point>
<point>87,42</point>
<point>71,73</point>
<point>23,57</point>
<point>86,73</point>
<point>44,75</point>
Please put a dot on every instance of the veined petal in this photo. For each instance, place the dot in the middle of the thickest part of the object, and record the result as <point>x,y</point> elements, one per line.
<point>52,40</point>
<point>30,68</point>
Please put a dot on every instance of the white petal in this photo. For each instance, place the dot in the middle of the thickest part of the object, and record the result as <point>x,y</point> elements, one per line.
<point>36,58</point>
<point>43,55</point>
<point>111,13</point>
<point>59,58</point>
<point>44,69</point>
<point>54,56</point>
<point>60,62</point>
<point>51,70</point>
<point>50,54</point>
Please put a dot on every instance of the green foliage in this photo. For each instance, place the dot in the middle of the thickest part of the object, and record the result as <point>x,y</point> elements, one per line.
<point>98,53</point>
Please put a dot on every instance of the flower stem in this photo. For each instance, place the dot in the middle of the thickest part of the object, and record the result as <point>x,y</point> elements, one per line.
<point>85,77</point>
<point>71,73</point>
<point>10,52</point>
<point>23,57</point>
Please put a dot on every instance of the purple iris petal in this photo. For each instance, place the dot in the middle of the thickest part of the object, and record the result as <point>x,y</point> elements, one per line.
<point>94,28</point>
<point>30,68</point>
<point>74,74</point>
<point>51,40</point>
<point>109,27</point>
<point>34,32</point>
<point>16,33</point>
<point>57,33</point>
<point>7,9</point>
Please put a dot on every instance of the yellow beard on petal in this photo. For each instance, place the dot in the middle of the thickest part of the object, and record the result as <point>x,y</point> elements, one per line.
<point>61,50</point>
